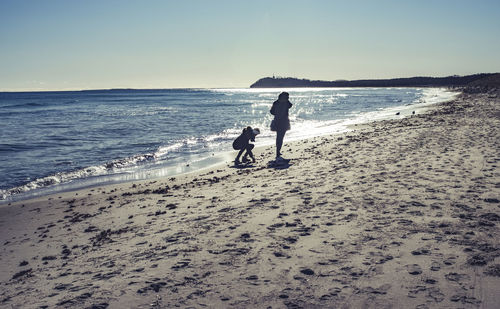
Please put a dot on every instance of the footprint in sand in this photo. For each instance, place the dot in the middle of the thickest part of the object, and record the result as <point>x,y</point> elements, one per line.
<point>456,277</point>
<point>307,271</point>
<point>414,269</point>
<point>435,266</point>
<point>435,294</point>
<point>493,270</point>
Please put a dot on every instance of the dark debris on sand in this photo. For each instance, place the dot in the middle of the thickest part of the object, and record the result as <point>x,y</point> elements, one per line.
<point>22,274</point>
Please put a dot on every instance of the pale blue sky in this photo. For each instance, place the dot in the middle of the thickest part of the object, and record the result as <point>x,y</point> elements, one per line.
<point>50,45</point>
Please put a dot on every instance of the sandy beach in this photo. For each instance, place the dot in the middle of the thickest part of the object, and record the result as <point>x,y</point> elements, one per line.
<point>395,214</point>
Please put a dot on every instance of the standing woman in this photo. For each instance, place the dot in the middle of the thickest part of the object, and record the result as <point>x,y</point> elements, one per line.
<point>281,123</point>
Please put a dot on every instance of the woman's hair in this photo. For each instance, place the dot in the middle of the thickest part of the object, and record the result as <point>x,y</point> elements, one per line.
<point>283,95</point>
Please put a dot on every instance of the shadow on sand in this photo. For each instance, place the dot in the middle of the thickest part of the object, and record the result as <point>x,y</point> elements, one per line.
<point>242,166</point>
<point>279,166</point>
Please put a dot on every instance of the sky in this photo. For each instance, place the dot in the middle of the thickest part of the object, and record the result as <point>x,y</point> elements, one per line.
<point>63,45</point>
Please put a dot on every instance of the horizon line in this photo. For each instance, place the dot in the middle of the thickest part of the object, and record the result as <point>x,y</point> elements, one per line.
<point>118,89</point>
<point>248,87</point>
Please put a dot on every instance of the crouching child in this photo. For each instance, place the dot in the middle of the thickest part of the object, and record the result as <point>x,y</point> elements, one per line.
<point>242,143</point>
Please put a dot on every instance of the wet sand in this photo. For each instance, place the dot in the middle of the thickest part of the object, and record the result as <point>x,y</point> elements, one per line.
<point>396,214</point>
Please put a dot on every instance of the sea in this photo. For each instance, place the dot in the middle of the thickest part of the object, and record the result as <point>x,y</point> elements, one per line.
<point>60,141</point>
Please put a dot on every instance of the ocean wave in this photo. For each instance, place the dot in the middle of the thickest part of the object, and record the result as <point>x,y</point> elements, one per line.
<point>92,171</point>
<point>14,147</point>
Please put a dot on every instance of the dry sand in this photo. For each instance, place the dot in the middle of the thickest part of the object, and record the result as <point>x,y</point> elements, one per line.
<point>397,214</point>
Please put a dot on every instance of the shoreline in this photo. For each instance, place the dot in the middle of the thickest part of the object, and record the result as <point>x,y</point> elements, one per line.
<point>397,213</point>
<point>36,188</point>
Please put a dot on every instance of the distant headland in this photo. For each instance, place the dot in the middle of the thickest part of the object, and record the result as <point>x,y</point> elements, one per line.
<point>449,81</point>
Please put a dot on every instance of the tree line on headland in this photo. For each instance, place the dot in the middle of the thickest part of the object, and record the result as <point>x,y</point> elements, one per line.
<point>449,81</point>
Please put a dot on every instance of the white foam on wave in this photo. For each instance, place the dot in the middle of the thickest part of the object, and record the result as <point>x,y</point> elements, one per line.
<point>164,150</point>
<point>312,128</point>
<point>42,185</point>
<point>52,180</point>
